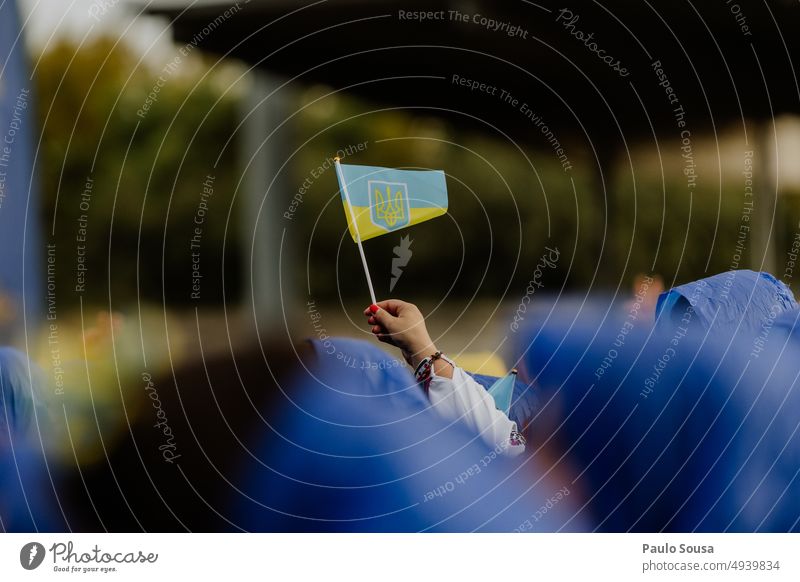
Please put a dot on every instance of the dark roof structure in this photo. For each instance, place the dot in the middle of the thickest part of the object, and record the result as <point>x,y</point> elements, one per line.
<point>590,71</point>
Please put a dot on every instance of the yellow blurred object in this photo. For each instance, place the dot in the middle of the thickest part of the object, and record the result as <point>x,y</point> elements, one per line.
<point>93,369</point>
<point>488,363</point>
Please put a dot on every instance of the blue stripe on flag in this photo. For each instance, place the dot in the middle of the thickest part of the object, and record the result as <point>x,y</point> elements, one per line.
<point>426,188</point>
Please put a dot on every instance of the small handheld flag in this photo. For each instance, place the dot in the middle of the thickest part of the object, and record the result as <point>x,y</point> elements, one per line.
<point>503,390</point>
<point>382,200</point>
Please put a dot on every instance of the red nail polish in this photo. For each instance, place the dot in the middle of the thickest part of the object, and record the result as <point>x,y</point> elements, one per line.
<point>373,308</point>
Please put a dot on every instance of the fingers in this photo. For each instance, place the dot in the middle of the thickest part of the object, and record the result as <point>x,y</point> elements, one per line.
<point>371,309</point>
<point>393,306</point>
<point>383,317</point>
<point>371,318</point>
<point>379,316</point>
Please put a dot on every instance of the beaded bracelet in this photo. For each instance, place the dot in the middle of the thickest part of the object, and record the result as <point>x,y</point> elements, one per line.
<point>423,372</point>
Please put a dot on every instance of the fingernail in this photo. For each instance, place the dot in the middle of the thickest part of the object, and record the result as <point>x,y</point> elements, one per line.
<point>373,308</point>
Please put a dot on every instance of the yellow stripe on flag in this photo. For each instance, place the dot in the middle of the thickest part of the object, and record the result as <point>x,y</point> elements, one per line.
<point>369,229</point>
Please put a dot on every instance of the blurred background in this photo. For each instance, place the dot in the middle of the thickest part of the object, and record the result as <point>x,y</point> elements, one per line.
<point>181,200</point>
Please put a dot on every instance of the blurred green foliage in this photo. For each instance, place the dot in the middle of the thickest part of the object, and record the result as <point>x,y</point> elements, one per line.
<point>147,171</point>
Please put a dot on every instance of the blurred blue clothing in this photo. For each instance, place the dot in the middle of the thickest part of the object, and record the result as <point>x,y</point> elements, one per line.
<point>736,301</point>
<point>380,378</point>
<point>27,500</point>
<point>359,450</point>
<point>21,269</point>
<point>788,323</point>
<point>20,397</point>
<point>371,373</point>
<point>667,431</point>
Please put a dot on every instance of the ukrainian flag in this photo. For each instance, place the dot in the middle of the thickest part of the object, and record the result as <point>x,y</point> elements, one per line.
<point>382,200</point>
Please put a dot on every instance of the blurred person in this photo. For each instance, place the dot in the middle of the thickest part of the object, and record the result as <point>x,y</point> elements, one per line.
<point>28,501</point>
<point>362,449</point>
<point>646,291</point>
<point>740,301</point>
<point>21,399</point>
<point>314,436</point>
<point>189,430</point>
<point>454,394</point>
<point>688,427</point>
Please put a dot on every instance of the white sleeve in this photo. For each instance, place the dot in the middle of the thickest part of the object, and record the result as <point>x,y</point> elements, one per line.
<point>462,398</point>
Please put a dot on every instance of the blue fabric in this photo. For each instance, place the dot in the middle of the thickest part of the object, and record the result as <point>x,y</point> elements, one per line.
<point>20,398</point>
<point>20,236</point>
<point>666,432</point>
<point>27,501</point>
<point>345,457</point>
<point>737,301</point>
<point>788,323</point>
<point>388,378</point>
<point>371,373</point>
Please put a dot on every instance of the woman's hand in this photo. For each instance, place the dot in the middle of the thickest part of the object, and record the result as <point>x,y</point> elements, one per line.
<point>402,325</point>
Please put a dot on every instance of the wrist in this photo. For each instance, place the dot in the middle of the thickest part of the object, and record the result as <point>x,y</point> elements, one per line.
<point>417,355</point>
<point>436,364</point>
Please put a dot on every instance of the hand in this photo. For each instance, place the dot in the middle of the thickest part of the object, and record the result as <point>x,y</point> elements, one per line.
<point>402,325</point>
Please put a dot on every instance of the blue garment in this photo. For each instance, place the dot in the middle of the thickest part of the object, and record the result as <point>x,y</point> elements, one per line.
<point>358,451</point>
<point>737,301</point>
<point>667,432</point>
<point>371,372</point>
<point>29,501</point>
<point>27,498</point>
<point>389,379</point>
<point>788,323</point>
<point>20,236</point>
<point>20,396</point>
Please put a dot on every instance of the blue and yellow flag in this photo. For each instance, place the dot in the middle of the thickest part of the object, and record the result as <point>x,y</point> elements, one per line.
<point>502,391</point>
<point>384,200</point>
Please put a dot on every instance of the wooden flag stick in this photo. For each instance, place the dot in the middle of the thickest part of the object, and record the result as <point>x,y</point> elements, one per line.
<point>340,174</point>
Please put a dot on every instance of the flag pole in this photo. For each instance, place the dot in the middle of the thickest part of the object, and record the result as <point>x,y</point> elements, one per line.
<point>340,175</point>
